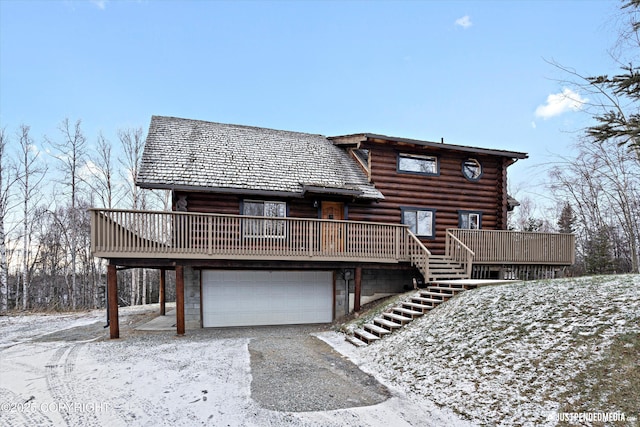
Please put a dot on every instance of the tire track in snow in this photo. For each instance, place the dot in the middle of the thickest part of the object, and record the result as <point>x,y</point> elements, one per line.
<point>16,411</point>
<point>60,379</point>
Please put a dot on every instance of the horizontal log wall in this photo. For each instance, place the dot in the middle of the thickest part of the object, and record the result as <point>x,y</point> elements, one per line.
<point>447,192</point>
<point>229,204</point>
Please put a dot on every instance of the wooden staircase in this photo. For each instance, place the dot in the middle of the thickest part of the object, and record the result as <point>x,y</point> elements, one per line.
<point>442,267</point>
<point>405,312</point>
<point>456,263</point>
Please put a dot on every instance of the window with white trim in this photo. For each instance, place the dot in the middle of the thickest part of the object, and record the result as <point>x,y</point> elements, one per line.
<point>255,227</point>
<point>470,220</point>
<point>414,163</point>
<point>421,222</point>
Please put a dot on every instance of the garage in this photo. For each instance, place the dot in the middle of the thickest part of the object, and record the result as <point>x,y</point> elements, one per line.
<point>255,297</point>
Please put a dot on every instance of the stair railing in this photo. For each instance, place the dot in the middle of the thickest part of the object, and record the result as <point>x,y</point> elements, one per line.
<point>459,252</point>
<point>418,254</point>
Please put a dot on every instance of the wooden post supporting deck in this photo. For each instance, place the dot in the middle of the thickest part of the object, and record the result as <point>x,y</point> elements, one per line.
<point>179,300</point>
<point>358,289</point>
<point>162,294</point>
<point>112,294</point>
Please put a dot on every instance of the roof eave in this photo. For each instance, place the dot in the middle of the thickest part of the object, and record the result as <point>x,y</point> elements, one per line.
<point>306,191</point>
<point>350,140</point>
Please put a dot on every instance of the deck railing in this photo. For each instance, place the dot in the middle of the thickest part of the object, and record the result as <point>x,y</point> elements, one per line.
<point>459,252</point>
<point>182,235</point>
<point>152,234</point>
<point>418,254</point>
<point>515,247</point>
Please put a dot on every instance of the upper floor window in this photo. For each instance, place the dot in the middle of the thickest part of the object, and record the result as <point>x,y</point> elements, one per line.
<point>472,169</point>
<point>264,227</point>
<point>421,222</point>
<point>414,163</point>
<point>470,220</point>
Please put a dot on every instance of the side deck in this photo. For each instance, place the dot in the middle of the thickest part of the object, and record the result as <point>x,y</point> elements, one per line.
<point>125,234</point>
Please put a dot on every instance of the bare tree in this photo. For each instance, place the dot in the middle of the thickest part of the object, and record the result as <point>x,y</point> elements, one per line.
<point>7,179</point>
<point>71,153</point>
<point>31,174</point>
<point>132,141</point>
<point>602,184</point>
<point>102,170</point>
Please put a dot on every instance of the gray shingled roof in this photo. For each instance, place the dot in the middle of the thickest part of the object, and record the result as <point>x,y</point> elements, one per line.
<point>206,156</point>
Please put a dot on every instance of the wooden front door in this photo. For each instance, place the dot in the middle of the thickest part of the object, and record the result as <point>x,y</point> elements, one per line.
<point>333,232</point>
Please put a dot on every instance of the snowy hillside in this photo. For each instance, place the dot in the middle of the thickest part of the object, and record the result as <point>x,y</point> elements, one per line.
<point>515,354</point>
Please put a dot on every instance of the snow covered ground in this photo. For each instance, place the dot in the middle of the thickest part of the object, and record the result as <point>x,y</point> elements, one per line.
<point>52,374</point>
<point>508,354</point>
<point>502,355</point>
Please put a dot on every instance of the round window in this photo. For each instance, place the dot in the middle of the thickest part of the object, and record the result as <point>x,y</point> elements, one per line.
<point>472,169</point>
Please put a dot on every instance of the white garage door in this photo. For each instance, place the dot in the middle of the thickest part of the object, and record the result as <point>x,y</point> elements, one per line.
<point>245,298</point>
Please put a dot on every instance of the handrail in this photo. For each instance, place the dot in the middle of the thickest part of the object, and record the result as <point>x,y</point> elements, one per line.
<point>418,254</point>
<point>459,252</point>
<point>465,247</point>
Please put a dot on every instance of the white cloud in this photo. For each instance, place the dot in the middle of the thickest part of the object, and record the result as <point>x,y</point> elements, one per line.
<point>101,4</point>
<point>559,103</point>
<point>88,170</point>
<point>464,22</point>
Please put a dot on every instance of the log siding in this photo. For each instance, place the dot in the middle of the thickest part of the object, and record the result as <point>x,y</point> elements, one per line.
<point>447,193</point>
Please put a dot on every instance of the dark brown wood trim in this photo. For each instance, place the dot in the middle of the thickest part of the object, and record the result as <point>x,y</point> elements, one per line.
<point>251,264</point>
<point>333,304</point>
<point>162,293</point>
<point>112,291</point>
<point>201,301</point>
<point>358,289</point>
<point>179,299</point>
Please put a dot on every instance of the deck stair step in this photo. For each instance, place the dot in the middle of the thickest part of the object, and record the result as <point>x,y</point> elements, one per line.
<point>447,269</point>
<point>387,324</point>
<point>365,336</point>
<point>442,296</point>
<point>356,341</point>
<point>427,301</point>
<point>376,330</point>
<point>417,306</point>
<point>397,318</point>
<point>442,289</point>
<point>407,312</point>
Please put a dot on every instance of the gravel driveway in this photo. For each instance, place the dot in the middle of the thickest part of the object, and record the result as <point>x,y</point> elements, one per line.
<point>294,371</point>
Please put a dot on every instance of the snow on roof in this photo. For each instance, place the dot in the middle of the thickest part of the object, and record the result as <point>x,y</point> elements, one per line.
<point>206,156</point>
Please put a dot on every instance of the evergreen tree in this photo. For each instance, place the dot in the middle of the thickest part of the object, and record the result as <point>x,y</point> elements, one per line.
<point>620,116</point>
<point>598,257</point>
<point>566,222</point>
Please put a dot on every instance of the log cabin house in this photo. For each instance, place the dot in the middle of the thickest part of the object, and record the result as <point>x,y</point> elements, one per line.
<point>278,227</point>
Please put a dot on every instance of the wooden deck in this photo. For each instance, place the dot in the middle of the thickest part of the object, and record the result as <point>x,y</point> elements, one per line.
<point>118,234</point>
<point>509,247</point>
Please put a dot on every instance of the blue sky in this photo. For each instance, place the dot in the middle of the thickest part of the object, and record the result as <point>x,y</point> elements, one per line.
<point>473,73</point>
